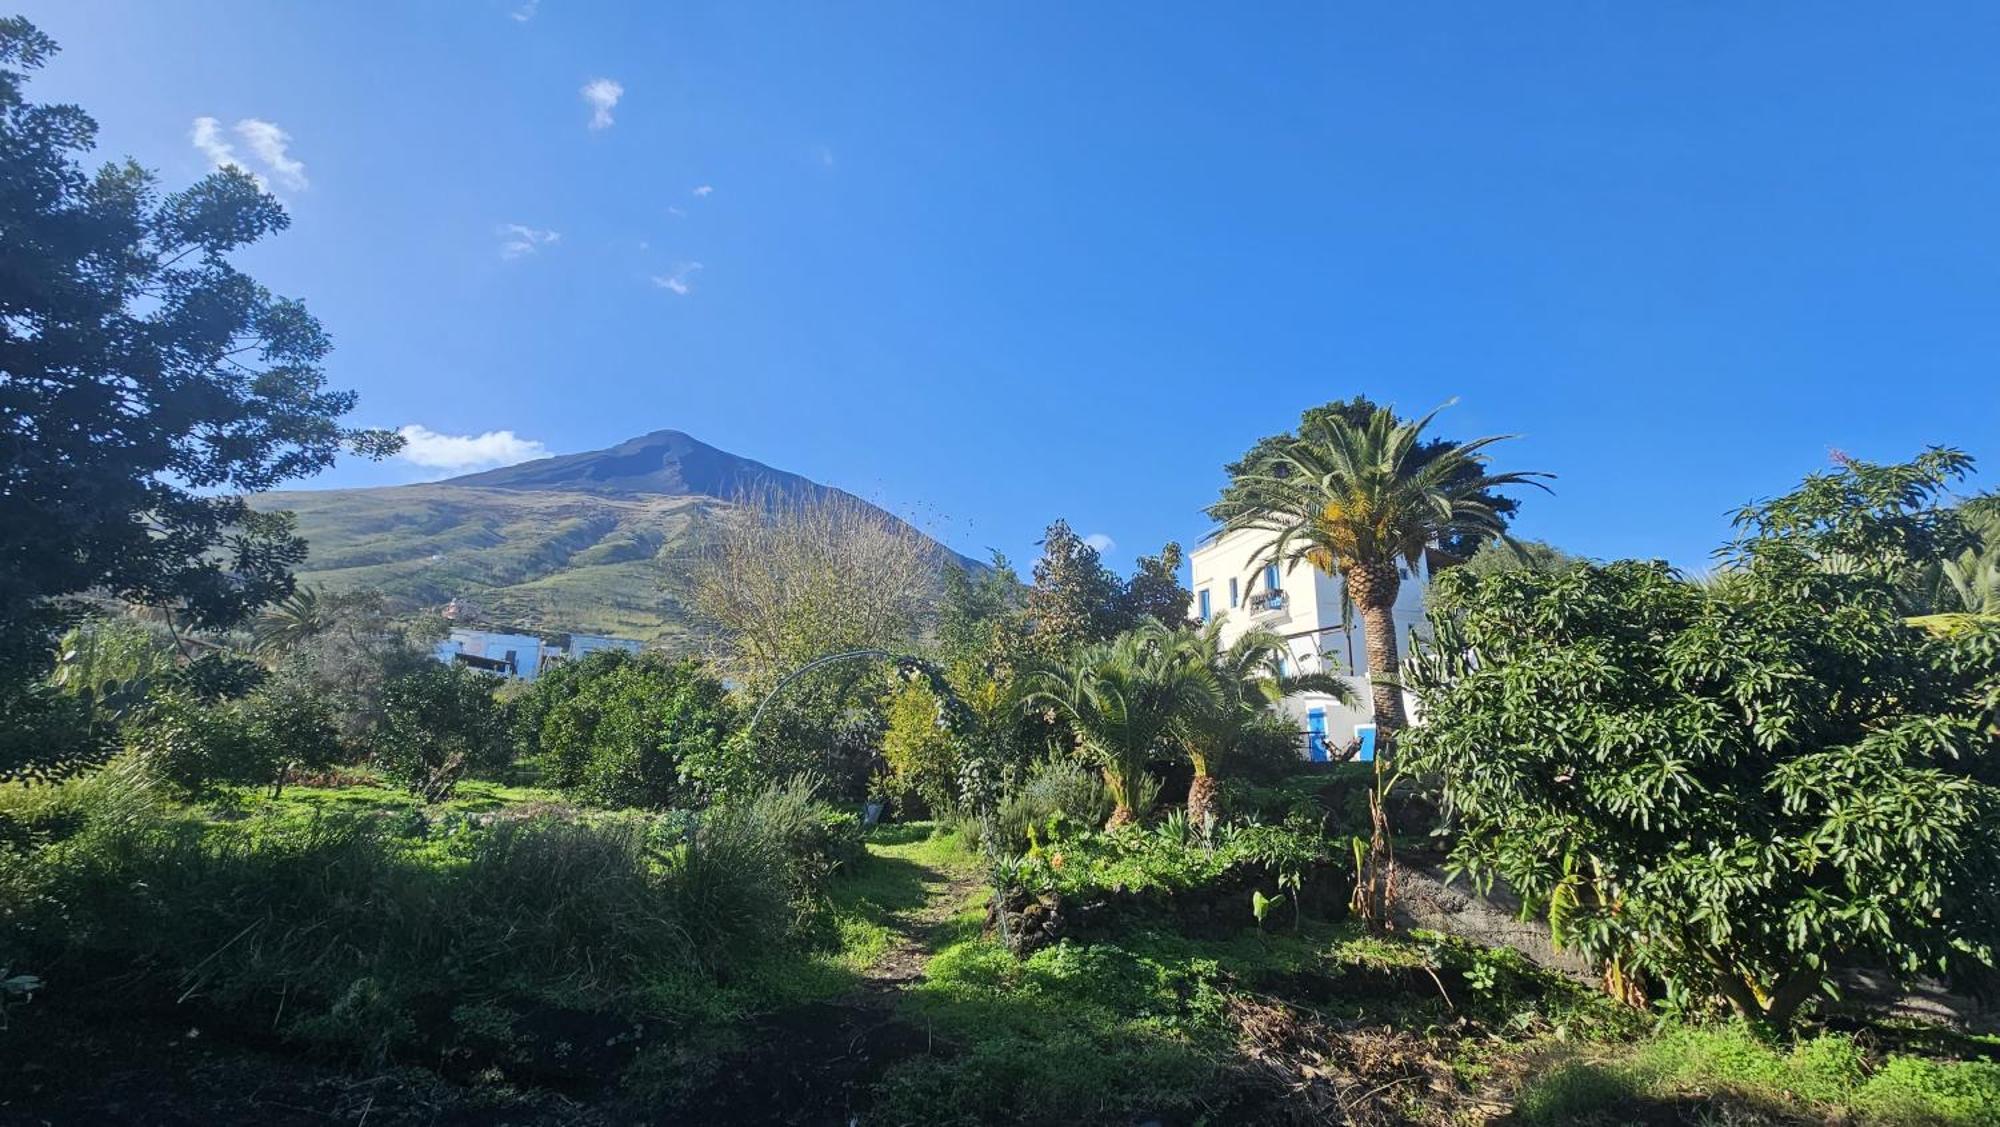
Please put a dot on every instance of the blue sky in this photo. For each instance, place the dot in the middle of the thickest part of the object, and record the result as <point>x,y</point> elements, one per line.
<point>992,267</point>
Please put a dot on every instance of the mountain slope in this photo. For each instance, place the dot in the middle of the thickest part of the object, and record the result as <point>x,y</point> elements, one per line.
<point>576,542</point>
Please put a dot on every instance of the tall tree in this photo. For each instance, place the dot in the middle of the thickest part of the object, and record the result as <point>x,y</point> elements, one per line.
<point>145,384</point>
<point>1075,599</point>
<point>800,578</point>
<point>1452,546</point>
<point>1155,590</point>
<point>1365,501</point>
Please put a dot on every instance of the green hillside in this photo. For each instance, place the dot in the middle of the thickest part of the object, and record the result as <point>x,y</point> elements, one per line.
<point>545,560</point>
<point>576,542</point>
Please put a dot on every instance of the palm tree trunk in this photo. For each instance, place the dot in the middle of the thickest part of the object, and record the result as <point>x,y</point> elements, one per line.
<point>1201,797</point>
<point>1373,588</point>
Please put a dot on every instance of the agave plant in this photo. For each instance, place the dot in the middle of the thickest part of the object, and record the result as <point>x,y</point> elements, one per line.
<point>1124,699</point>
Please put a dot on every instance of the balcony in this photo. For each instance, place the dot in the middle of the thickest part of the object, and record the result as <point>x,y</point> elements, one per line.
<point>1268,604</point>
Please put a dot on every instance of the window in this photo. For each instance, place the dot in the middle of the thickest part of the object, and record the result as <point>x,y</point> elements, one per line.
<point>1232,591</point>
<point>1204,604</point>
<point>1271,577</point>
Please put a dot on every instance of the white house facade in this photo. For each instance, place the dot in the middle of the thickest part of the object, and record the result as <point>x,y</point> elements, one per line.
<point>1303,605</point>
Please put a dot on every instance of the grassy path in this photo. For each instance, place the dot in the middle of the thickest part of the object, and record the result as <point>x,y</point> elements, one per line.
<point>915,894</point>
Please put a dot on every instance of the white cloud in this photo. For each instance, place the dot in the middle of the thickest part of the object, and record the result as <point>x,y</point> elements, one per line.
<point>426,447</point>
<point>677,213</point>
<point>517,240</point>
<point>525,11</point>
<point>267,142</point>
<point>680,280</point>
<point>602,94</point>
<point>825,156</point>
<point>705,191</point>
<point>1101,542</point>
<point>272,145</point>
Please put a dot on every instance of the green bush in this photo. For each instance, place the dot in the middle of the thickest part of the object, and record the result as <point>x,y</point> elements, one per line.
<point>921,753</point>
<point>438,722</point>
<point>196,746</point>
<point>1059,791</point>
<point>295,725</point>
<point>617,730</point>
<point>1170,858</point>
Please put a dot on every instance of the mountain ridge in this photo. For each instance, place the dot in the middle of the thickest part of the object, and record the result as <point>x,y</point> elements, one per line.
<point>578,542</point>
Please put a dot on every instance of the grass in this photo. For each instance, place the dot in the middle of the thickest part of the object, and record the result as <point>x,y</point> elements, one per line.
<point>1825,1077</point>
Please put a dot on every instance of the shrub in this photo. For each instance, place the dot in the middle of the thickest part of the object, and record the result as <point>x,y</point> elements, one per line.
<point>625,731</point>
<point>294,724</point>
<point>920,751</point>
<point>195,745</point>
<point>1731,787</point>
<point>1057,792</point>
<point>438,722</point>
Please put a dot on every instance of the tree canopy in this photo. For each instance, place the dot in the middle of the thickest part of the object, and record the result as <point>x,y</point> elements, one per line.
<point>145,382</point>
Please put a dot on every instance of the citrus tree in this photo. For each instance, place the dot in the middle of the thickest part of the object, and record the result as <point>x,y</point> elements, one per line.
<point>1734,788</point>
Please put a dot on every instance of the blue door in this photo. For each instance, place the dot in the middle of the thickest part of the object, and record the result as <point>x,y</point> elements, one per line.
<point>1316,735</point>
<point>1366,734</point>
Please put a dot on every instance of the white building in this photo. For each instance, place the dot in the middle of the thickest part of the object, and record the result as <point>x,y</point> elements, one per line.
<point>524,656</point>
<point>1303,605</point>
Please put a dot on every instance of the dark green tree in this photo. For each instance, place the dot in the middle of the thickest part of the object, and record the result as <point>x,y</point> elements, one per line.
<point>146,384</point>
<point>1155,590</point>
<point>438,723</point>
<point>1737,787</point>
<point>619,730</point>
<point>1075,599</point>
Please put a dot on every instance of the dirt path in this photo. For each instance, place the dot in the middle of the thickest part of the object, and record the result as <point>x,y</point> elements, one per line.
<point>917,932</point>
<point>818,1063</point>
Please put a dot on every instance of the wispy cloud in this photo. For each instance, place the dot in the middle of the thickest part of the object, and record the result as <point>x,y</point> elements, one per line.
<point>676,212</point>
<point>825,156</point>
<point>268,144</point>
<point>1101,542</point>
<point>680,281</point>
<point>425,447</point>
<point>272,145</point>
<point>525,11</point>
<point>703,192</point>
<point>603,95</point>
<point>518,239</point>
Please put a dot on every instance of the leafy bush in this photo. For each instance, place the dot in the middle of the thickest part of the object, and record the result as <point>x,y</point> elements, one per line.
<point>1058,792</point>
<point>618,730</point>
<point>922,754</point>
<point>195,745</point>
<point>1731,787</point>
<point>438,722</point>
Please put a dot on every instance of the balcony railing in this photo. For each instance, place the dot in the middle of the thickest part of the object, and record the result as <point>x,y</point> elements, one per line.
<point>1265,601</point>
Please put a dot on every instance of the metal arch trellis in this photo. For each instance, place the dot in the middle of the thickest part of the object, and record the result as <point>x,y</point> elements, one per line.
<point>949,706</point>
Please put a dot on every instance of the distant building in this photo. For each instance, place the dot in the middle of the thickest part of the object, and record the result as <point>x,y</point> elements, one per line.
<point>1303,606</point>
<point>523,656</point>
<point>511,655</point>
<point>583,645</point>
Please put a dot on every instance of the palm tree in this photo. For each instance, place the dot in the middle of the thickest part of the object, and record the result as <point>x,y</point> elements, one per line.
<point>1365,501</point>
<point>1366,498</point>
<point>1250,677</point>
<point>298,617</point>
<point>1124,699</point>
